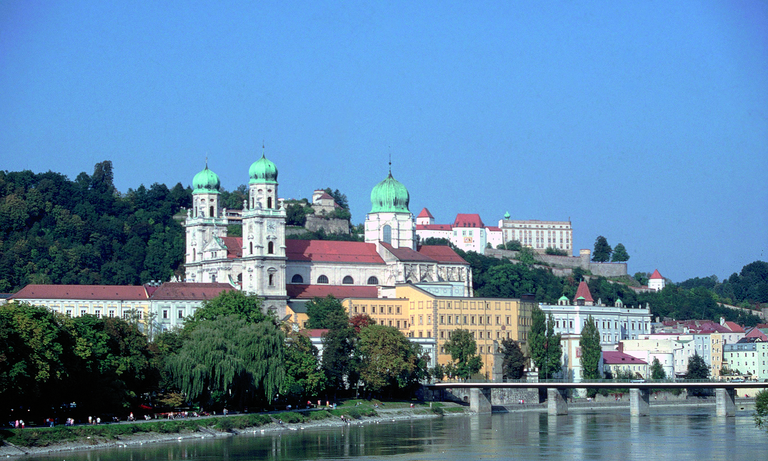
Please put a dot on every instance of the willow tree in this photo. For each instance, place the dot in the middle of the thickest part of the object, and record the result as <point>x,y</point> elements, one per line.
<point>230,361</point>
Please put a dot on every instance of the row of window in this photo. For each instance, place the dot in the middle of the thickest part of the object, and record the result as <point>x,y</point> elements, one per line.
<point>323,279</point>
<point>477,320</point>
<point>381,309</point>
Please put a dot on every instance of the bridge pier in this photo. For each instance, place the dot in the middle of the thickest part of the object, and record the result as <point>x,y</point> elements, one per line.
<point>639,402</point>
<point>480,400</point>
<point>556,403</point>
<point>725,401</point>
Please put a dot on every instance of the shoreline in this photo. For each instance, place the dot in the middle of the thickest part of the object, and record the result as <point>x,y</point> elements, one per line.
<point>10,451</point>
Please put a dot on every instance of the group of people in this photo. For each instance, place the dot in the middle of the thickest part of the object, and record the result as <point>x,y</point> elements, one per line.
<point>18,424</point>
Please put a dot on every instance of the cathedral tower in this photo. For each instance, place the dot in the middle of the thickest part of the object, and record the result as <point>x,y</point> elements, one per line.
<point>205,226</point>
<point>264,238</point>
<point>390,221</point>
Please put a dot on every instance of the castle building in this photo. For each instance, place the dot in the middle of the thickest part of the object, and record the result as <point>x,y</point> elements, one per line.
<point>265,263</point>
<point>538,235</point>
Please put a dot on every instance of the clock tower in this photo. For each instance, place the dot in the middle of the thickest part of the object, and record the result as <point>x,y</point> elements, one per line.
<point>264,238</point>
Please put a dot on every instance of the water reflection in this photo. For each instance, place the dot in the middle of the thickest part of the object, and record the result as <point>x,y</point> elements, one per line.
<point>611,434</point>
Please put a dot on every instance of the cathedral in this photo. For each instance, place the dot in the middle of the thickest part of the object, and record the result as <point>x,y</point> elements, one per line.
<point>263,262</point>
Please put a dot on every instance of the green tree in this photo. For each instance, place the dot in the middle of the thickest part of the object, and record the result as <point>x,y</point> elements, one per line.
<point>295,215</point>
<point>326,312</point>
<point>229,361</point>
<point>657,371</point>
<point>388,361</point>
<point>620,254</point>
<point>463,350</point>
<point>602,251</point>
<point>642,277</point>
<point>303,376</point>
<point>555,251</point>
<point>512,245</point>
<point>761,409</point>
<point>591,351</point>
<point>513,359</point>
<point>339,361</point>
<point>697,368</point>
<point>526,256</point>
<point>544,344</point>
<point>228,303</point>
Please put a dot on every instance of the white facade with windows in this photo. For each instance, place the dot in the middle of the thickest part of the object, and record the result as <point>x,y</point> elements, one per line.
<point>538,235</point>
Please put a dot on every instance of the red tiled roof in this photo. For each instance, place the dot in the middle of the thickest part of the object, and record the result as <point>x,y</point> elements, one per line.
<point>296,291</point>
<point>619,358</point>
<point>493,228</point>
<point>442,254</point>
<point>468,220</point>
<point>190,291</point>
<point>332,251</point>
<point>425,214</point>
<point>583,291</point>
<point>234,247</point>
<point>443,227</point>
<point>406,254</point>
<point>756,333</point>
<point>656,275</point>
<point>734,327</point>
<point>314,332</point>
<point>326,196</point>
<point>108,292</point>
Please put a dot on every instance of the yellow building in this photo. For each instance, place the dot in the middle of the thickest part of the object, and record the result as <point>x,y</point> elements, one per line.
<point>420,314</point>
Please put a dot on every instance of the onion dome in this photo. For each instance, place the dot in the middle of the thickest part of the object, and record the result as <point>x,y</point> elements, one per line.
<point>263,171</point>
<point>206,182</point>
<point>389,196</point>
<point>506,215</point>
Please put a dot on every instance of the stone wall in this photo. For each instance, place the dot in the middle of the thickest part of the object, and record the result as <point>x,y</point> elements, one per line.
<point>500,397</point>
<point>564,265</point>
<point>331,226</point>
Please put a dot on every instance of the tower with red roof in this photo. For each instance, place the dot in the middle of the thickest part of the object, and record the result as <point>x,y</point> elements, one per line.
<point>656,282</point>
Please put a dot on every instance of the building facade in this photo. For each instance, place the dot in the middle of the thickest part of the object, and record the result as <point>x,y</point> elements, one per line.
<point>537,234</point>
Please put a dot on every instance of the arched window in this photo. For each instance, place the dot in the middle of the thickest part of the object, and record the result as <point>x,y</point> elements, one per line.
<point>271,280</point>
<point>322,279</point>
<point>269,202</point>
<point>297,279</point>
<point>271,247</point>
<point>372,280</point>
<point>251,246</point>
<point>348,280</point>
<point>387,234</point>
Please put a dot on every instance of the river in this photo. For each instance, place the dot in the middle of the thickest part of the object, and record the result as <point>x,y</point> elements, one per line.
<point>682,433</point>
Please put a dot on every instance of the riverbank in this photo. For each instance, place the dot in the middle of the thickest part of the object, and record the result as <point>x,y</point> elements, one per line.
<point>44,440</point>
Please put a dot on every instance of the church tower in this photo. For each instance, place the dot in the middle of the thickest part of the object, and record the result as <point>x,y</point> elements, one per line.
<point>205,226</point>
<point>264,238</point>
<point>390,221</point>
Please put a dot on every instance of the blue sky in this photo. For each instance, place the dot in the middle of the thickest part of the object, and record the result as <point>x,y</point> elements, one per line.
<point>645,122</point>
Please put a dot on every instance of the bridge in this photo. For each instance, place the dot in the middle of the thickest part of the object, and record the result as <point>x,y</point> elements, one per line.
<point>639,393</point>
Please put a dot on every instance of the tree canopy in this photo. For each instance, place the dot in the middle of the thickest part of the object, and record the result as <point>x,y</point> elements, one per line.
<point>463,350</point>
<point>326,312</point>
<point>697,368</point>
<point>513,359</point>
<point>544,344</point>
<point>620,254</point>
<point>602,251</point>
<point>657,370</point>
<point>591,350</point>
<point>230,361</point>
<point>389,362</point>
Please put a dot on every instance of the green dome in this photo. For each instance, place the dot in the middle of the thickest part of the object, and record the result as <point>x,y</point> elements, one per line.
<point>206,182</point>
<point>506,215</point>
<point>263,171</point>
<point>389,196</point>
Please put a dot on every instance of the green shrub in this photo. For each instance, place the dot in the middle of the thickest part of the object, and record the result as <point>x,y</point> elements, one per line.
<point>437,410</point>
<point>225,424</point>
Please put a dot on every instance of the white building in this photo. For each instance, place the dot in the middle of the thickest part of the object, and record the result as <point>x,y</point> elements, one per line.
<point>615,323</point>
<point>538,235</point>
<point>656,282</point>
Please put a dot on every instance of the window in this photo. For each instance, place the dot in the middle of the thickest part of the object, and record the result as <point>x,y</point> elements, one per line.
<point>269,202</point>
<point>251,247</point>
<point>322,279</point>
<point>387,234</point>
<point>165,313</point>
<point>348,280</point>
<point>210,211</point>
<point>271,280</point>
<point>98,314</point>
<point>297,279</point>
<point>111,314</point>
<point>271,248</point>
<point>373,280</point>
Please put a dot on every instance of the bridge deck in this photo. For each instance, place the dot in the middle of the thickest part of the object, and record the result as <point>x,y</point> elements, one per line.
<point>602,385</point>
